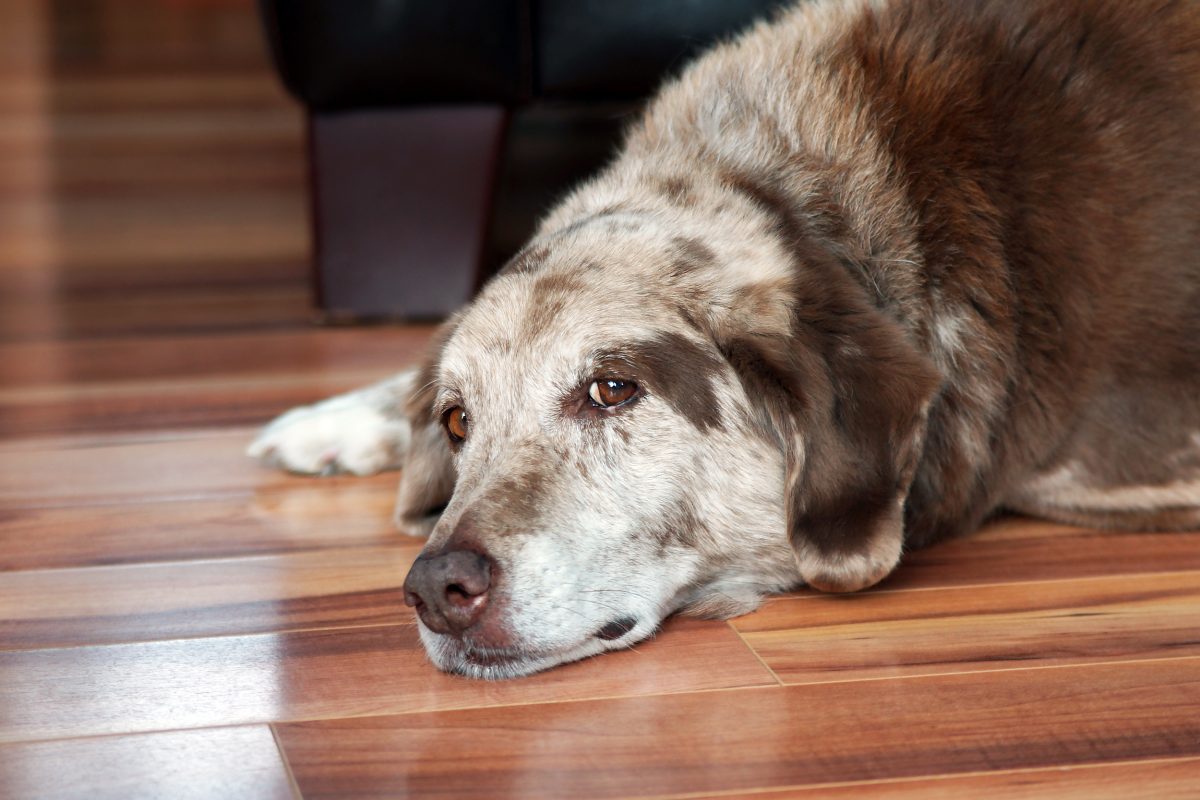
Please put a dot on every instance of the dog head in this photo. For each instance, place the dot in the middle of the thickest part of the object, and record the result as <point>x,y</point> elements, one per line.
<point>639,416</point>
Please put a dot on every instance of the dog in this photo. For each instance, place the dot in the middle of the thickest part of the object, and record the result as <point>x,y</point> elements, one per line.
<point>858,280</point>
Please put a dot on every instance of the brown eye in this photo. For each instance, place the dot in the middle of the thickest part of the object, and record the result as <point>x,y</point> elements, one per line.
<point>609,393</point>
<point>455,422</point>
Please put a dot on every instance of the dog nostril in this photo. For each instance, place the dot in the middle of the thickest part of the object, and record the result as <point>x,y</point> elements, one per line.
<point>617,628</point>
<point>458,595</point>
<point>413,600</point>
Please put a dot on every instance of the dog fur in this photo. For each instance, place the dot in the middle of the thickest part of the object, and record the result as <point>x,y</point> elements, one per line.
<point>879,270</point>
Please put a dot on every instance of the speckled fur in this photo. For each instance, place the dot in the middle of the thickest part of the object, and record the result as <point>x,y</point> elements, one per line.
<point>882,269</point>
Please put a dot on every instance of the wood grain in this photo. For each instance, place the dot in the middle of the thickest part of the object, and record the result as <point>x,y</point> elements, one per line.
<point>1017,549</point>
<point>178,404</point>
<point>301,516</point>
<point>145,602</point>
<point>739,740</point>
<point>83,691</point>
<point>217,763</point>
<point>159,311</point>
<point>155,470</point>
<point>73,366</point>
<point>53,388</point>
<point>1173,779</point>
<point>893,634</point>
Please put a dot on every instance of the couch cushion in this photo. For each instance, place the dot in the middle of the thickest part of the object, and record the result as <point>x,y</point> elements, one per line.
<point>622,49</point>
<point>371,53</point>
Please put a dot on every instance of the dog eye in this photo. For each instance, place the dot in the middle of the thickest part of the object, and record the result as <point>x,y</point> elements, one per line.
<point>455,422</point>
<point>609,393</point>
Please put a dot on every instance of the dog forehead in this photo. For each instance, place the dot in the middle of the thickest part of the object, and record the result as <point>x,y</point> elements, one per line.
<point>540,319</point>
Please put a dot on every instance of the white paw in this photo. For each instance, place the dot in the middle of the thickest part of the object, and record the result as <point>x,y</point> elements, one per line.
<point>339,435</point>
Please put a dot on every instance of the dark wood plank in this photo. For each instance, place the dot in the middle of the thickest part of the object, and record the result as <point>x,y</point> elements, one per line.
<point>1006,626</point>
<point>305,515</point>
<point>120,228</point>
<point>175,405</point>
<point>59,693</point>
<point>215,763</point>
<point>122,174</point>
<point>740,740</point>
<point>171,382</point>
<point>188,311</point>
<point>155,470</point>
<point>1172,779</point>
<point>1016,549</point>
<point>147,602</point>
<point>70,366</point>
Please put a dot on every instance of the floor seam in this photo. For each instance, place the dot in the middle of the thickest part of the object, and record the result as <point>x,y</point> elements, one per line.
<point>757,655</point>
<point>287,764</point>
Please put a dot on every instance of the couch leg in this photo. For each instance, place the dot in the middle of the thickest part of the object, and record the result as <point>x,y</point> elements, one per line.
<point>401,200</point>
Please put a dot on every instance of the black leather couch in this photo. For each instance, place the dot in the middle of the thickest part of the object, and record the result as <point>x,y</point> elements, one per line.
<point>441,129</point>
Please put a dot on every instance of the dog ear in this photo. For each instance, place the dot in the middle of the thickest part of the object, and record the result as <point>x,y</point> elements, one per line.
<point>847,394</point>
<point>428,477</point>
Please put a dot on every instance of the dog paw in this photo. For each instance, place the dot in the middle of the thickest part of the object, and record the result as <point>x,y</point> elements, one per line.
<point>341,435</point>
<point>852,572</point>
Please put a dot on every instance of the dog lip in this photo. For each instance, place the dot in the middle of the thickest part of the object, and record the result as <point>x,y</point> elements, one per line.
<point>495,656</point>
<point>490,659</point>
<point>617,628</point>
<point>480,661</point>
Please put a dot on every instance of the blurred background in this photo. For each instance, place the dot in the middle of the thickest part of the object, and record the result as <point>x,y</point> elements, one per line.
<point>192,192</point>
<point>152,176</point>
<point>157,176</point>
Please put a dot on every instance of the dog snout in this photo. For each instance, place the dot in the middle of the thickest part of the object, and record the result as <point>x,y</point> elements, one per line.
<point>449,590</point>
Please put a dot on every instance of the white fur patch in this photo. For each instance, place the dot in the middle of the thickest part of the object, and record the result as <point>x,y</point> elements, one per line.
<point>1067,487</point>
<point>352,433</point>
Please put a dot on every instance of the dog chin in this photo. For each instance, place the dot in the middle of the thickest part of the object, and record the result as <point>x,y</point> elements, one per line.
<point>489,663</point>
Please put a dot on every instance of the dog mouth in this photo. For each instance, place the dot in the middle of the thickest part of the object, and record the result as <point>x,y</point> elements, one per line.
<point>487,657</point>
<point>497,663</point>
<point>500,664</point>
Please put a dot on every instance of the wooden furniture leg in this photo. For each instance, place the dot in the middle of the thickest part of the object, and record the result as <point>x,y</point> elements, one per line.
<point>401,201</point>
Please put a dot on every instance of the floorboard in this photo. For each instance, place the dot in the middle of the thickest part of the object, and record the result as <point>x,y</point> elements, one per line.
<point>895,634</point>
<point>148,602</point>
<point>780,736</point>
<point>1170,779</point>
<point>333,672</point>
<point>51,388</point>
<point>181,765</point>
<point>1019,549</point>
<point>149,471</point>
<point>303,515</point>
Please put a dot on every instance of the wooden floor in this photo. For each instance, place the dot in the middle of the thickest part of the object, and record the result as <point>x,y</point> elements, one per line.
<point>178,622</point>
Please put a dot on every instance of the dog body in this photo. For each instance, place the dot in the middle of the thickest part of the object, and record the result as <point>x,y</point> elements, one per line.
<point>857,280</point>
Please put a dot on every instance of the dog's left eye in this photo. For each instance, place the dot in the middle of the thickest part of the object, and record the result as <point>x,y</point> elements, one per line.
<point>455,422</point>
<point>610,393</point>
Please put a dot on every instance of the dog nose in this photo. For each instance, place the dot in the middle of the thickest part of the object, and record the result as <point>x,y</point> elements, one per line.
<point>449,590</point>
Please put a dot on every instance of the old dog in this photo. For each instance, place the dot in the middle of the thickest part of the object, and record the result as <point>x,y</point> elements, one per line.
<point>857,280</point>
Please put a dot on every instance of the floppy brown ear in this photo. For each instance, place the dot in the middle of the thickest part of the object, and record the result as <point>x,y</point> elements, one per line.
<point>848,395</point>
<point>428,477</point>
